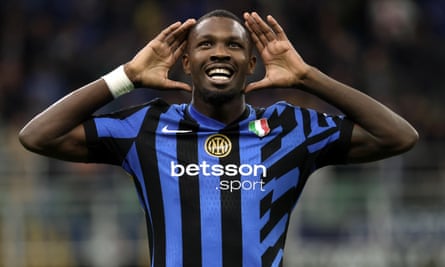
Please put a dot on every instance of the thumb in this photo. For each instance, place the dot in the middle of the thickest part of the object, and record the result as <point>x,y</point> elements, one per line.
<point>262,84</point>
<point>178,85</point>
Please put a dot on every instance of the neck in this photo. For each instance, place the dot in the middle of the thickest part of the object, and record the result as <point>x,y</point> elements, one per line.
<point>225,112</point>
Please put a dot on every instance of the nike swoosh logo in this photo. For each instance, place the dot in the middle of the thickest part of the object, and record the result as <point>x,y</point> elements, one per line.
<point>166,130</point>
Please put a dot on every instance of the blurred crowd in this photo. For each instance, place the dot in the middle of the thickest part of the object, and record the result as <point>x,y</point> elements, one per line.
<point>390,49</point>
<point>393,50</point>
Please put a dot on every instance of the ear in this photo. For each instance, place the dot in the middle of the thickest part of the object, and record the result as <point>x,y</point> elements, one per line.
<point>252,65</point>
<point>186,63</point>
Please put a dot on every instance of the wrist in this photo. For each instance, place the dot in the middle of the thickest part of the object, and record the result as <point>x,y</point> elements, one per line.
<point>307,78</point>
<point>118,82</point>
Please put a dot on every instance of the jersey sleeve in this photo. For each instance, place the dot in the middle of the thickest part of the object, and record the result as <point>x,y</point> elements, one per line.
<point>110,136</point>
<point>329,139</point>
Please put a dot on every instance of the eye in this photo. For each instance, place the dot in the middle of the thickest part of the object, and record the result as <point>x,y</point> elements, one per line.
<point>235,45</point>
<point>205,44</point>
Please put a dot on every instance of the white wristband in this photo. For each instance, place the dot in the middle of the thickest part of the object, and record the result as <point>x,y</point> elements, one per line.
<point>118,82</point>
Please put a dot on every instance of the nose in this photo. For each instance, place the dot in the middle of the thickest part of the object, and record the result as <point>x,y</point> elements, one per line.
<point>220,53</point>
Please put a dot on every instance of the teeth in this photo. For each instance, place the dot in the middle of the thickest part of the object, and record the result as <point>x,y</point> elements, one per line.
<point>219,72</point>
<point>221,78</point>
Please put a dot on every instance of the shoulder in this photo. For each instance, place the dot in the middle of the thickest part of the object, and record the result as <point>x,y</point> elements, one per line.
<point>281,105</point>
<point>278,109</point>
<point>292,116</point>
<point>307,112</point>
<point>129,122</point>
<point>122,113</point>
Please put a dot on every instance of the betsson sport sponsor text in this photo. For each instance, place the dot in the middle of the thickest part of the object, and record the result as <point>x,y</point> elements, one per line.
<point>205,169</point>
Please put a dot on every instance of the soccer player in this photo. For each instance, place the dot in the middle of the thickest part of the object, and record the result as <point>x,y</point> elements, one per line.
<point>218,178</point>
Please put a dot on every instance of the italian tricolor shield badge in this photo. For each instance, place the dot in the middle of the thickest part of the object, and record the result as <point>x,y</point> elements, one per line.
<point>259,127</point>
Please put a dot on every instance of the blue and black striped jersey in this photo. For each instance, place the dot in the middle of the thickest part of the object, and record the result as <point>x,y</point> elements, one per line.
<point>214,194</point>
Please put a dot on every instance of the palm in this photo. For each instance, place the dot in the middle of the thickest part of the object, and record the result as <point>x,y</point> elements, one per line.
<point>275,58</point>
<point>282,62</point>
<point>159,60</point>
<point>153,63</point>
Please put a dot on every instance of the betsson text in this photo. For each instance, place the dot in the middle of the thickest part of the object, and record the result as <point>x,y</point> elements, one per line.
<point>205,169</point>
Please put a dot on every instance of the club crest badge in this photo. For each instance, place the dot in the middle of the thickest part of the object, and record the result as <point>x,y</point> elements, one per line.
<point>218,145</point>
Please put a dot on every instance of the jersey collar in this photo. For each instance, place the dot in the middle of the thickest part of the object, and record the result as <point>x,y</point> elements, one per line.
<point>206,121</point>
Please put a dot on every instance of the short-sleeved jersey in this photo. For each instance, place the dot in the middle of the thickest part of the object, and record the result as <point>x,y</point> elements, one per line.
<point>215,194</point>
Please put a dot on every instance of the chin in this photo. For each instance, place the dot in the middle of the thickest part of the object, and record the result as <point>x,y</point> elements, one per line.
<point>219,96</point>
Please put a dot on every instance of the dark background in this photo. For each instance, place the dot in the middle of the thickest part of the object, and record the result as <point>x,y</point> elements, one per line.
<point>388,213</point>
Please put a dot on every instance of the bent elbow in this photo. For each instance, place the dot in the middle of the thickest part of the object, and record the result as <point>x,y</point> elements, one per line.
<point>28,140</point>
<point>405,141</point>
<point>34,140</point>
<point>412,139</point>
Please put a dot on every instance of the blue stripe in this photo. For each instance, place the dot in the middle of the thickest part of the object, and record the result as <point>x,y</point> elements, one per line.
<point>135,170</point>
<point>171,198</point>
<point>323,143</point>
<point>278,258</point>
<point>210,213</point>
<point>251,208</point>
<point>276,233</point>
<point>283,184</point>
<point>117,128</point>
<point>315,127</point>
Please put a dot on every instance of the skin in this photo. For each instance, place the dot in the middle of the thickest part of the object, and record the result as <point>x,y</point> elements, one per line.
<point>219,42</point>
<point>378,132</point>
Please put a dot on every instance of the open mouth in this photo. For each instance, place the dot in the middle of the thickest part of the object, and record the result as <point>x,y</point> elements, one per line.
<point>220,73</point>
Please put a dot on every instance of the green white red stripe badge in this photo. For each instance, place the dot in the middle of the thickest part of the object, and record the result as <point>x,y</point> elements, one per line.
<point>259,127</point>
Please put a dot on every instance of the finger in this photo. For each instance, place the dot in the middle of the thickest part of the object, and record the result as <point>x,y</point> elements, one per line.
<point>259,45</point>
<point>262,84</point>
<point>276,27</point>
<point>255,31</point>
<point>179,50</point>
<point>178,35</point>
<point>167,31</point>
<point>175,85</point>
<point>255,38</point>
<point>265,29</point>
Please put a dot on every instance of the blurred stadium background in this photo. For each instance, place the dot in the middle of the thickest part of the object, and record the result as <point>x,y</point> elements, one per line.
<point>385,214</point>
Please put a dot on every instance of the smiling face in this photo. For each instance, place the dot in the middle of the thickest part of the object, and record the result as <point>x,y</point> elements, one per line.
<point>218,59</point>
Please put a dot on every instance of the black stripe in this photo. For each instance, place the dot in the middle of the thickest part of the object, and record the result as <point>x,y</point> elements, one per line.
<point>278,209</point>
<point>147,218</point>
<point>337,152</point>
<point>232,242</point>
<point>107,150</point>
<point>127,111</point>
<point>306,122</point>
<point>322,120</point>
<point>287,121</point>
<point>149,165</point>
<point>269,256</point>
<point>187,152</point>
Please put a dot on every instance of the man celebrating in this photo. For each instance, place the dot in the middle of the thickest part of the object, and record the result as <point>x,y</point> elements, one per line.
<point>218,178</point>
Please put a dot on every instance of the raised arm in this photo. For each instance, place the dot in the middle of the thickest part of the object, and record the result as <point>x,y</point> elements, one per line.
<point>58,132</point>
<point>378,131</point>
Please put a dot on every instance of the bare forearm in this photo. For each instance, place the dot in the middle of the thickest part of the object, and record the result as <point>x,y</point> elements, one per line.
<point>359,107</point>
<point>388,129</point>
<point>65,115</point>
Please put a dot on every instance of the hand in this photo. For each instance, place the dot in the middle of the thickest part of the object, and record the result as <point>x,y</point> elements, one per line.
<point>151,65</point>
<point>284,66</point>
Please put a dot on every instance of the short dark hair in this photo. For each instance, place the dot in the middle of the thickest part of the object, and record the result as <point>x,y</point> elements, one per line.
<point>223,13</point>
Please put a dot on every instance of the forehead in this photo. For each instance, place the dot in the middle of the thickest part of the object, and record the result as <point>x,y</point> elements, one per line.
<point>219,25</point>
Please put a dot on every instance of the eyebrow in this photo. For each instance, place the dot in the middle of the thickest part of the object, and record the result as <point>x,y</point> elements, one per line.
<point>212,36</point>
